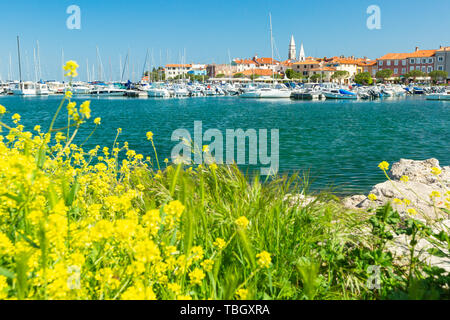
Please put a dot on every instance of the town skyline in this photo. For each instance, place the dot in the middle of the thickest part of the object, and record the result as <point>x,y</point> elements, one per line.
<point>208,37</point>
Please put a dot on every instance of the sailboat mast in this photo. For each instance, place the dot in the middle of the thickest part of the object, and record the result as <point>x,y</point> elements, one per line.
<point>62,63</point>
<point>271,45</point>
<point>39,60</point>
<point>18,54</point>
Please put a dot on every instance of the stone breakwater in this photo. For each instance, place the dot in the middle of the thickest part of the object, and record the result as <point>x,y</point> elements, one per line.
<point>416,189</point>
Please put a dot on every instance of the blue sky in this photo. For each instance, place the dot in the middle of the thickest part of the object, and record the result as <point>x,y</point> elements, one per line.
<point>211,31</point>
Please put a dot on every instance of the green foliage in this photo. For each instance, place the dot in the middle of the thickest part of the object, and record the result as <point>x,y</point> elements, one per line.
<point>414,74</point>
<point>384,74</point>
<point>238,75</point>
<point>364,78</point>
<point>438,75</point>
<point>340,74</point>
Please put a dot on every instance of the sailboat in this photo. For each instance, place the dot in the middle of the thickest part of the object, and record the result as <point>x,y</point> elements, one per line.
<point>273,91</point>
<point>26,88</point>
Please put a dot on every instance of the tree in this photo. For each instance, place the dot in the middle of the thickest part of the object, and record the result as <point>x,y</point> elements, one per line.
<point>364,78</point>
<point>437,75</point>
<point>254,76</point>
<point>315,77</point>
<point>340,74</point>
<point>384,74</point>
<point>238,75</point>
<point>414,74</point>
<point>220,75</point>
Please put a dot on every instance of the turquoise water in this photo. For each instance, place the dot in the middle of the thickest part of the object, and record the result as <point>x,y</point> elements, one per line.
<point>339,142</point>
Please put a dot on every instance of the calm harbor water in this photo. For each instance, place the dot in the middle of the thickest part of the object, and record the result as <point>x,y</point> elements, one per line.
<point>340,143</point>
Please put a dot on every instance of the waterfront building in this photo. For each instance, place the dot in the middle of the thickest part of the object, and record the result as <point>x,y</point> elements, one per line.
<point>351,65</point>
<point>262,73</point>
<point>173,70</point>
<point>370,66</point>
<point>443,60</point>
<point>212,70</point>
<point>403,63</point>
<point>303,67</point>
<point>243,64</point>
<point>324,72</point>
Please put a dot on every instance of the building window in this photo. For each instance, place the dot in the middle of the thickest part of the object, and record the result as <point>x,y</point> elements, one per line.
<point>441,68</point>
<point>429,69</point>
<point>440,59</point>
<point>403,62</point>
<point>424,69</point>
<point>381,62</point>
<point>412,61</point>
<point>388,63</point>
<point>396,63</point>
<point>403,70</point>
<point>395,71</point>
<point>417,68</point>
<point>430,60</point>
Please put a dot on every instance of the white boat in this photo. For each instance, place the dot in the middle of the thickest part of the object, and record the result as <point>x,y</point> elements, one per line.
<point>438,96</point>
<point>180,91</point>
<point>56,87</point>
<point>108,91</point>
<point>157,90</point>
<point>80,88</point>
<point>26,88</point>
<point>339,94</point>
<point>42,89</point>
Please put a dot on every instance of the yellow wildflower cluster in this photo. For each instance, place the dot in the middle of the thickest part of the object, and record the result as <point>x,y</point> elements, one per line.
<point>81,230</point>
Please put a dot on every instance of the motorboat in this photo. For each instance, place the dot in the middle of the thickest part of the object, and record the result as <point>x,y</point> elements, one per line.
<point>339,94</point>
<point>438,96</point>
<point>26,88</point>
<point>42,89</point>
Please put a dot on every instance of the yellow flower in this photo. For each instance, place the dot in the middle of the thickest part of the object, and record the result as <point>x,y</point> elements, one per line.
<point>406,202</point>
<point>404,179</point>
<point>242,294</point>
<point>435,194</point>
<point>71,68</point>
<point>436,171</point>
<point>98,121</point>
<point>37,128</point>
<point>412,211</point>
<point>264,259</point>
<point>213,166</point>
<point>68,94</point>
<point>196,276</point>
<point>220,243</point>
<point>242,222</point>
<point>197,253</point>
<point>207,264</point>
<point>85,109</point>
<point>184,297</point>
<point>149,135</point>
<point>372,197</point>
<point>384,166</point>
<point>166,160</point>
<point>205,149</point>
<point>174,287</point>
<point>397,201</point>
<point>2,109</point>
<point>16,117</point>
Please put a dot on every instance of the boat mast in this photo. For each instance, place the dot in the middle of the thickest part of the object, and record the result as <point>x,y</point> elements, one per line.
<point>18,54</point>
<point>271,46</point>
<point>62,63</point>
<point>35,65</point>
<point>39,60</point>
<point>145,65</point>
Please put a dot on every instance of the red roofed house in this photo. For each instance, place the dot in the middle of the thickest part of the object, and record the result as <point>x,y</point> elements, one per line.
<point>402,63</point>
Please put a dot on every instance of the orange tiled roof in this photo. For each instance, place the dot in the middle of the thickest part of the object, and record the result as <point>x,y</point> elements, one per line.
<point>323,69</point>
<point>401,56</point>
<point>258,72</point>
<point>444,49</point>
<point>244,61</point>
<point>422,53</point>
<point>178,65</point>
<point>266,61</point>
<point>307,62</point>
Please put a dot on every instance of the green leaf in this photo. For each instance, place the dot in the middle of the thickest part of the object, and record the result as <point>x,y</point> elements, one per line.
<point>7,273</point>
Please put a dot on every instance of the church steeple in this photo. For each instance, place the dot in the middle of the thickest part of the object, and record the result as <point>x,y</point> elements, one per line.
<point>302,56</point>
<point>292,50</point>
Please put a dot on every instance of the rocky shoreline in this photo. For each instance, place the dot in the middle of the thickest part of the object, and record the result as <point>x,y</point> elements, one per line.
<point>412,185</point>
